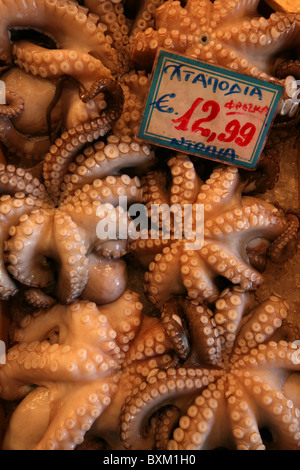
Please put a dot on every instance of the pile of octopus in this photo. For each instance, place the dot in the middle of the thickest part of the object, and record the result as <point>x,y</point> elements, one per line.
<point>116,342</point>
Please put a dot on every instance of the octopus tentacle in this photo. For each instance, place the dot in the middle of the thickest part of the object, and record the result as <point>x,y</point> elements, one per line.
<point>167,419</point>
<point>54,64</point>
<point>14,105</point>
<point>104,333</point>
<point>51,16</point>
<point>256,215</point>
<point>230,308</point>
<point>149,351</point>
<point>144,349</point>
<point>241,408</point>
<point>196,277</point>
<point>196,427</point>
<point>15,179</point>
<point>172,320</point>
<point>154,194</point>
<point>80,412</point>
<point>71,251</point>
<point>284,431</point>
<point>39,299</point>
<point>89,217</point>
<point>227,183</point>
<point>73,140</point>
<point>107,191</point>
<point>231,266</point>
<point>161,283</point>
<point>11,209</point>
<point>288,68</point>
<point>284,245</point>
<point>199,323</point>
<point>144,18</point>
<point>100,160</point>
<point>159,388</point>
<point>135,88</point>
<point>33,268</point>
<point>25,135</point>
<point>271,313</point>
<point>111,14</point>
<point>22,145</point>
<point>185,181</point>
<point>154,183</point>
<point>26,264</point>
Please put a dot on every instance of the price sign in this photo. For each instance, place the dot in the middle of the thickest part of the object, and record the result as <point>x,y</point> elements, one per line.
<point>209,111</point>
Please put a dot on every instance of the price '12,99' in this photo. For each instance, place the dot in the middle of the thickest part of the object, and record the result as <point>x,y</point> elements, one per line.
<point>241,135</point>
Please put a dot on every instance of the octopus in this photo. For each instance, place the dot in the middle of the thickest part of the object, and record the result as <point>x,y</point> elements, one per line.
<point>151,349</point>
<point>237,387</point>
<point>80,95</point>
<point>82,170</point>
<point>229,34</point>
<point>69,57</point>
<point>239,233</point>
<point>60,247</point>
<point>68,127</point>
<point>68,359</point>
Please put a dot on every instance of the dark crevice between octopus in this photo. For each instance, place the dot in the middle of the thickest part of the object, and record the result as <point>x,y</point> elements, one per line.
<point>32,35</point>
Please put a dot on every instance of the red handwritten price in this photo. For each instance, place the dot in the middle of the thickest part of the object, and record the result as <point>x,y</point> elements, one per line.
<point>241,135</point>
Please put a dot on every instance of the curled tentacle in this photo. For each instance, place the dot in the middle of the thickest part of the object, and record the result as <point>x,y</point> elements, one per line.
<point>14,105</point>
<point>25,133</point>
<point>11,210</point>
<point>59,241</point>
<point>101,160</point>
<point>21,145</point>
<point>62,22</point>
<point>167,420</point>
<point>159,389</point>
<point>73,140</point>
<point>284,246</point>
<point>27,263</point>
<point>288,68</point>
<point>175,329</point>
<point>39,299</point>
<point>257,257</point>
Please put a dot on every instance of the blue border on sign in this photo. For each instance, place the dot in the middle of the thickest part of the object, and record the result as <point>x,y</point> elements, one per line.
<point>162,60</point>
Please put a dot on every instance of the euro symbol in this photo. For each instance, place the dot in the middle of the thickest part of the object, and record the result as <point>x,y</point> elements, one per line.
<point>163,108</point>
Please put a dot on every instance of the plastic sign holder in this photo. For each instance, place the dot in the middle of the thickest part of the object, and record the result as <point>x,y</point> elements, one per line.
<point>205,110</point>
